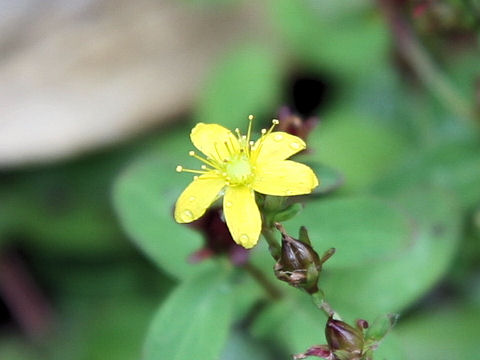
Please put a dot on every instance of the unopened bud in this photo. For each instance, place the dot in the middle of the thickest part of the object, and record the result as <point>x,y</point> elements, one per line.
<point>343,339</point>
<point>299,265</point>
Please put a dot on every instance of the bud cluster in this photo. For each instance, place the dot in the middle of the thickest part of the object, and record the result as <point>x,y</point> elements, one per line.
<point>345,342</point>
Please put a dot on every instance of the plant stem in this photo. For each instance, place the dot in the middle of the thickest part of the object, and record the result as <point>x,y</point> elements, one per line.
<point>319,300</point>
<point>273,244</point>
<point>261,279</point>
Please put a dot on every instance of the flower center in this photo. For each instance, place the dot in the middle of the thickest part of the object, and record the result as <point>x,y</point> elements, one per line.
<point>238,170</point>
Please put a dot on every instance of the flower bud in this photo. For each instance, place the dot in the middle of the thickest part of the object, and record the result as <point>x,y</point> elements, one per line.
<point>294,124</point>
<point>299,265</point>
<point>218,240</point>
<point>344,340</point>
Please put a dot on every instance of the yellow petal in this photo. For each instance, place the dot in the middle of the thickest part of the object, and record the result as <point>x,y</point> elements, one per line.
<point>284,178</point>
<point>277,145</point>
<point>242,215</point>
<point>197,197</point>
<point>214,141</point>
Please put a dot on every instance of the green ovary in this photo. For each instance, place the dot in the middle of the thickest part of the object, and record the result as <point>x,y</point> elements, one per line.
<point>238,171</point>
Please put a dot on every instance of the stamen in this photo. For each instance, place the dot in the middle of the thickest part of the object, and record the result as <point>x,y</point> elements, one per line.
<point>232,144</point>
<point>275,122</point>
<point>218,152</point>
<point>208,162</point>
<point>239,135</point>
<point>249,131</point>
<point>182,169</point>
<point>230,151</point>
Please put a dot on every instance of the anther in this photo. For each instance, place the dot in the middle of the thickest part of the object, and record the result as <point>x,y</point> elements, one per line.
<point>264,131</point>
<point>203,167</point>
<point>250,117</point>
<point>275,122</point>
<point>191,153</point>
<point>179,168</point>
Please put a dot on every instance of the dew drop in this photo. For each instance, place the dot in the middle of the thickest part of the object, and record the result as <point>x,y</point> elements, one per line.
<point>278,137</point>
<point>228,204</point>
<point>191,198</point>
<point>243,238</point>
<point>295,145</point>
<point>187,216</point>
<point>289,192</point>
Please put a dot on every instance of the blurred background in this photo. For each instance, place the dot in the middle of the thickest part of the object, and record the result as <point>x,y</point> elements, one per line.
<point>89,86</point>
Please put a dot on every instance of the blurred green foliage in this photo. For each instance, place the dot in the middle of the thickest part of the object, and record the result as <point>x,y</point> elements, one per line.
<point>399,199</point>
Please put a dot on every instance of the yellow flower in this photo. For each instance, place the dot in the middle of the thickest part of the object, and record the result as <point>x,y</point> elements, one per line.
<point>236,167</point>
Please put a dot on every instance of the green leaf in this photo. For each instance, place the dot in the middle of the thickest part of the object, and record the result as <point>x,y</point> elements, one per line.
<point>454,166</point>
<point>345,40</point>
<point>246,81</point>
<point>391,348</point>
<point>194,321</point>
<point>13,348</point>
<point>241,346</point>
<point>360,149</point>
<point>144,197</point>
<point>443,334</point>
<point>64,208</point>
<point>362,229</point>
<point>393,282</point>
<point>294,323</point>
<point>100,327</point>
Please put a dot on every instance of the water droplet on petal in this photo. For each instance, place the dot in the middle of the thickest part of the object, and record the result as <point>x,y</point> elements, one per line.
<point>191,198</point>
<point>228,204</point>
<point>187,216</point>
<point>295,145</point>
<point>243,238</point>
<point>278,137</point>
<point>289,192</point>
